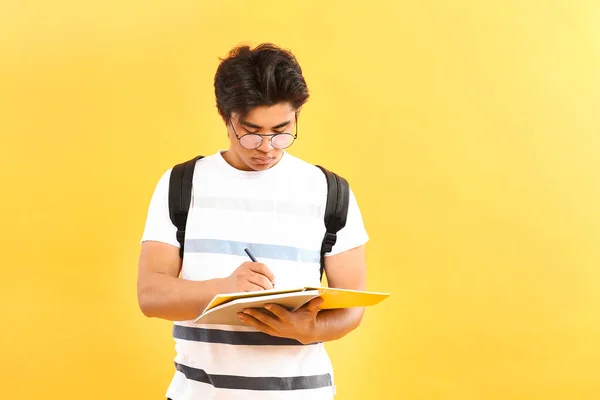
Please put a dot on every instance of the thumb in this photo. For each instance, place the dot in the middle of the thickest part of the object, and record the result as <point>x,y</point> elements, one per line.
<point>314,304</point>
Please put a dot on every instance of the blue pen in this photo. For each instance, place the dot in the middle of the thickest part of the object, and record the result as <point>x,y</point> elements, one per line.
<point>254,260</point>
<point>250,255</point>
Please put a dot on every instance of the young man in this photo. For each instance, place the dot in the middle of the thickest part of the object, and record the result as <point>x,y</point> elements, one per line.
<point>256,195</point>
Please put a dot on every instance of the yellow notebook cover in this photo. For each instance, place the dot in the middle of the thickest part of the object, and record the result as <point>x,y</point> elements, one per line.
<point>332,297</point>
<point>223,308</point>
<point>346,298</point>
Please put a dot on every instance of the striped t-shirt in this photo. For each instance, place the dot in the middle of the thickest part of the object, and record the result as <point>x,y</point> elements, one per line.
<point>278,215</point>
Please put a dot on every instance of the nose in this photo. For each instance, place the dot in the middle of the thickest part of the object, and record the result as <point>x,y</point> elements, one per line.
<point>265,146</point>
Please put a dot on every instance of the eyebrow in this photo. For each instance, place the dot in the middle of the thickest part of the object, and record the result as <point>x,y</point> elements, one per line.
<point>254,126</point>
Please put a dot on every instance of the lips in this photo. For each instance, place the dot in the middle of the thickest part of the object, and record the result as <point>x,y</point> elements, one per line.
<point>262,160</point>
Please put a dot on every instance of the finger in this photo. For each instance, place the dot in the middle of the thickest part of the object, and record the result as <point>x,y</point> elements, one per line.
<point>260,280</point>
<point>252,287</point>
<point>263,316</point>
<point>280,312</point>
<point>262,269</point>
<point>314,304</point>
<point>254,323</point>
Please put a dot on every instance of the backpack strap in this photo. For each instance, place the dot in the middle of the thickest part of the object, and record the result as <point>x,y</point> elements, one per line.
<point>180,197</point>
<point>336,211</point>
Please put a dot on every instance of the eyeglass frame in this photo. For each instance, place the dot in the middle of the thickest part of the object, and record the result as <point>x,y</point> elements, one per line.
<point>271,136</point>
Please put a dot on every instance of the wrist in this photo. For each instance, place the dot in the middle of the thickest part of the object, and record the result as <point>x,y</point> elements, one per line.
<point>221,286</point>
<point>312,334</point>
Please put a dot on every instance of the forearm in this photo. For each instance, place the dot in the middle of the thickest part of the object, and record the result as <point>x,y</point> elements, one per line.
<point>167,297</point>
<point>335,324</point>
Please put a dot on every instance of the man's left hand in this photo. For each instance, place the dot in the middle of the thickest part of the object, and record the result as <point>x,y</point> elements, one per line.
<point>278,321</point>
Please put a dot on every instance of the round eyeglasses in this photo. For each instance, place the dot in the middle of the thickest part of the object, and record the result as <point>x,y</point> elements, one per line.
<point>252,141</point>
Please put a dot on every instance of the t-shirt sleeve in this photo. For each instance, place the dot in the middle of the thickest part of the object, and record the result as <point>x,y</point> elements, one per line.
<point>158,226</point>
<point>353,234</point>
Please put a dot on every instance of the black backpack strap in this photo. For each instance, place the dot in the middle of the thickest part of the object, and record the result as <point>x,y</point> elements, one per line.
<point>336,211</point>
<point>180,197</point>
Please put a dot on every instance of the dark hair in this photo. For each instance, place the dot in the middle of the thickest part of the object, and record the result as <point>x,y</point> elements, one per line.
<point>263,76</point>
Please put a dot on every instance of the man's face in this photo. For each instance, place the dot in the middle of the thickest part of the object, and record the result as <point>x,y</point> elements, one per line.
<point>262,120</point>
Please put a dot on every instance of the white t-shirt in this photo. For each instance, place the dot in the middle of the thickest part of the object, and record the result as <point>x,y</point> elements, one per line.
<point>278,214</point>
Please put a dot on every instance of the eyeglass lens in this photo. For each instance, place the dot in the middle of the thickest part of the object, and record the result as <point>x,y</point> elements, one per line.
<point>278,141</point>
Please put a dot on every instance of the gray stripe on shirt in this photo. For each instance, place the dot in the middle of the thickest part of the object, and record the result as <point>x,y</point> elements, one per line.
<point>245,338</point>
<point>255,383</point>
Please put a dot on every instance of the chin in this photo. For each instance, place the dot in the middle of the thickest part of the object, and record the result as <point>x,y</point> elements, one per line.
<point>255,167</point>
<point>260,164</point>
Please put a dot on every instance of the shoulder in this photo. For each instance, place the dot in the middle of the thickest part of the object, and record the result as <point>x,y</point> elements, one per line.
<point>163,181</point>
<point>306,170</point>
<point>196,161</point>
<point>176,172</point>
<point>193,168</point>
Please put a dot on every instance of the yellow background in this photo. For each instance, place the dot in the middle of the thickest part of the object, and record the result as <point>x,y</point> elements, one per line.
<point>469,131</point>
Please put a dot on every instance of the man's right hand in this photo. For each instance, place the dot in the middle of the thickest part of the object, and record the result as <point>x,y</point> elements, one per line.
<point>250,276</point>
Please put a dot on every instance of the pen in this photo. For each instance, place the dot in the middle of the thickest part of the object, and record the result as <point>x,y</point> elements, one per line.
<point>254,260</point>
<point>250,255</point>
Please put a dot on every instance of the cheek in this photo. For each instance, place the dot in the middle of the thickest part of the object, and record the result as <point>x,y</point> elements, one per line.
<point>239,149</point>
<point>242,153</point>
<point>235,144</point>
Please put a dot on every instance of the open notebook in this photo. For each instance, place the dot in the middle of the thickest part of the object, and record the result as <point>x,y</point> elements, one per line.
<point>223,308</point>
